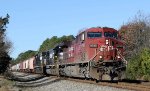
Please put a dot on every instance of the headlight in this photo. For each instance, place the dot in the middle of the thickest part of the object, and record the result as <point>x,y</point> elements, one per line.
<point>100,57</point>
<point>101,49</point>
<point>107,41</point>
<point>118,56</point>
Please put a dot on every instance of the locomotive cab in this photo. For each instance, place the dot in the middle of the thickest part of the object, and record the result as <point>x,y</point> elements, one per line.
<point>105,53</point>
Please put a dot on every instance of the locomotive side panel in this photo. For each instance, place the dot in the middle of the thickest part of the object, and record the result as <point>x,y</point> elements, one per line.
<point>80,53</point>
<point>50,64</point>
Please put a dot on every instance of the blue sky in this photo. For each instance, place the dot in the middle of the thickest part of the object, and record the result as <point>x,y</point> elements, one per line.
<point>32,21</point>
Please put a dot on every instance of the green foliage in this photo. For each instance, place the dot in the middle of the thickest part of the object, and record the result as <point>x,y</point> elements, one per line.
<point>47,44</point>
<point>5,45</point>
<point>23,56</point>
<point>135,35</point>
<point>139,66</point>
<point>51,43</point>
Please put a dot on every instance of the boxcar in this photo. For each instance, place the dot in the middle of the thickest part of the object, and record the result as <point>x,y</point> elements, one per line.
<point>31,68</point>
<point>21,67</point>
<point>13,68</point>
<point>17,67</point>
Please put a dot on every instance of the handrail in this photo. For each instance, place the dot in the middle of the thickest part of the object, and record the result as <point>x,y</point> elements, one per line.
<point>94,56</point>
<point>118,52</point>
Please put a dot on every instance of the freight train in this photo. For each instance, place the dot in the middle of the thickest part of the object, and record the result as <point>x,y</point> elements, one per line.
<point>95,53</point>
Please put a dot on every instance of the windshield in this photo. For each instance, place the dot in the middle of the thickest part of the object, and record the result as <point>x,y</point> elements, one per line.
<point>109,34</point>
<point>94,34</point>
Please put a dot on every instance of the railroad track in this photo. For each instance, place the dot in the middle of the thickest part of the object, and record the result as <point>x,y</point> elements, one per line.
<point>27,78</point>
<point>124,85</point>
<point>37,83</point>
<point>34,82</point>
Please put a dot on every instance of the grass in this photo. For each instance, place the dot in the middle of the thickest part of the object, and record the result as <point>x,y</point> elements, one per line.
<point>5,85</point>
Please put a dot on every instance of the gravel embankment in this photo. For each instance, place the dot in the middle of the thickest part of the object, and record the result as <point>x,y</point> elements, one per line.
<point>55,84</point>
<point>65,85</point>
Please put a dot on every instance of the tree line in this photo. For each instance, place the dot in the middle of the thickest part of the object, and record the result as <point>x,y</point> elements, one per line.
<point>46,45</point>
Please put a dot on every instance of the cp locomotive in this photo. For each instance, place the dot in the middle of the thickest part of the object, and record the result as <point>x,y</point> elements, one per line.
<point>95,53</point>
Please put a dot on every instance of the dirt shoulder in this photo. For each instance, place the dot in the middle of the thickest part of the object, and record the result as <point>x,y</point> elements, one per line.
<point>5,85</point>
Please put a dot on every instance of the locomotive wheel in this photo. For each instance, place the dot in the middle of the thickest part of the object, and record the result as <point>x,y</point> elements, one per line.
<point>97,81</point>
<point>106,77</point>
<point>121,76</point>
<point>115,79</point>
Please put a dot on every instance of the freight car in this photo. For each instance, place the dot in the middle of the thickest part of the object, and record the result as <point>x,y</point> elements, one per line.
<point>30,64</point>
<point>24,66</point>
<point>96,53</point>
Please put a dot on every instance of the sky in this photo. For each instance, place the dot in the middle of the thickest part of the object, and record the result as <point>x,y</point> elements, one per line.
<point>32,21</point>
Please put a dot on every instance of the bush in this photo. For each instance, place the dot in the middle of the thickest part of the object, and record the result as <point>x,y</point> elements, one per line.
<point>139,66</point>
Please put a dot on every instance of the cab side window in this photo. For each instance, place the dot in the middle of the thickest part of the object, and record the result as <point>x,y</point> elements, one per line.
<point>82,36</point>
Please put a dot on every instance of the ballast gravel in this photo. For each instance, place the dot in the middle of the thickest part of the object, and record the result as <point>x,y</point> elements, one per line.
<point>66,85</point>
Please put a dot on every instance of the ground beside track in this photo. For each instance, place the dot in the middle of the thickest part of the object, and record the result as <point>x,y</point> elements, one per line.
<point>53,83</point>
<point>66,85</point>
<point>7,85</point>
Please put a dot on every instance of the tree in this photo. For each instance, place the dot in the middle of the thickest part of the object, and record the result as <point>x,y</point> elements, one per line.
<point>136,35</point>
<point>139,66</point>
<point>51,43</point>
<point>23,56</point>
<point>5,45</point>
